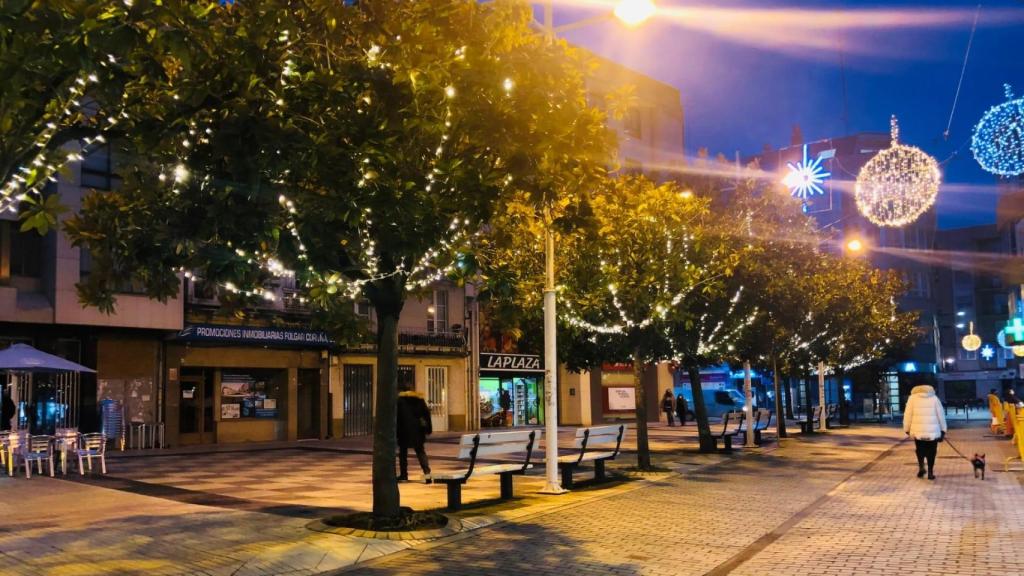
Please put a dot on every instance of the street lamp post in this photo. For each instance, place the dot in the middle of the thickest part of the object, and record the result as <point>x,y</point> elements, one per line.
<point>631,13</point>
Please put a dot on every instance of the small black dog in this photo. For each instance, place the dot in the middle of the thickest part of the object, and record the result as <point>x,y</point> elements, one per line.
<point>979,465</point>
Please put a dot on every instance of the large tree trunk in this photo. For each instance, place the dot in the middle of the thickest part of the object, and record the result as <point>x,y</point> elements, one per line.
<point>388,297</point>
<point>808,391</point>
<point>643,449</point>
<point>788,388</point>
<point>700,411</point>
<point>844,406</point>
<point>780,418</point>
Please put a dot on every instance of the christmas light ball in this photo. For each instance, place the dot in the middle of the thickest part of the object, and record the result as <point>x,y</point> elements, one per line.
<point>971,342</point>
<point>1018,351</point>
<point>898,185</point>
<point>998,139</point>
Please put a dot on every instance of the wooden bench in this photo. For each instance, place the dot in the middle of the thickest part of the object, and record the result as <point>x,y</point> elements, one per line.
<point>731,422</point>
<point>484,444</point>
<point>762,420</point>
<point>818,417</point>
<point>594,445</point>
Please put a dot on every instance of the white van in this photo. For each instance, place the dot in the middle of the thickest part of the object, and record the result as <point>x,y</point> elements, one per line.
<point>717,401</point>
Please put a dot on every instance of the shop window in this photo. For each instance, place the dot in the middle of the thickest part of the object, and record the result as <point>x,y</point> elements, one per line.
<point>362,309</point>
<point>437,312</point>
<point>252,393</point>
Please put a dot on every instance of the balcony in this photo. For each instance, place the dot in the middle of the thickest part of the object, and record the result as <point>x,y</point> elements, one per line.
<point>424,341</point>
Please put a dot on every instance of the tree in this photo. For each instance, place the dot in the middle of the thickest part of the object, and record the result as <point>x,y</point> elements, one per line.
<point>359,147</point>
<point>627,277</point>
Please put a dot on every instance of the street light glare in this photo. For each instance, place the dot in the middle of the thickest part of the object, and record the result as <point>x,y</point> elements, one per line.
<point>634,12</point>
<point>855,245</point>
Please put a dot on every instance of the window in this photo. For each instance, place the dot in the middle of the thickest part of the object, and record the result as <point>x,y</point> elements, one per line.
<point>919,286</point>
<point>97,169</point>
<point>26,253</point>
<point>362,309</point>
<point>723,397</point>
<point>437,312</point>
<point>406,377</point>
<point>967,354</point>
<point>631,123</point>
<point>252,393</point>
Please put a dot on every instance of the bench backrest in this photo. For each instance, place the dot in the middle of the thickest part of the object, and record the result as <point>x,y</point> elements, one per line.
<point>731,421</point>
<point>599,436</point>
<point>473,446</point>
<point>764,419</point>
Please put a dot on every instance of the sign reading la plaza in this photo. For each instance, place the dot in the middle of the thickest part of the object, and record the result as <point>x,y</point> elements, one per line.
<point>510,362</point>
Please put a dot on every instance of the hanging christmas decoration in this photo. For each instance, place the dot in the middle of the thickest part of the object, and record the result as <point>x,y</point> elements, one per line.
<point>971,342</point>
<point>998,140</point>
<point>898,185</point>
<point>1018,351</point>
<point>806,177</point>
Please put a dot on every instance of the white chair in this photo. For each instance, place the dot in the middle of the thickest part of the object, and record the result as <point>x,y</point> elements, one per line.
<point>92,446</point>
<point>13,447</point>
<point>38,449</point>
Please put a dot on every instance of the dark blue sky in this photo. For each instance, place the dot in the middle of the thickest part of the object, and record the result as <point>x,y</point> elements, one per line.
<point>739,94</point>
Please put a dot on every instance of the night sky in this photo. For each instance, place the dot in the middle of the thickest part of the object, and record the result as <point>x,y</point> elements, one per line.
<point>748,84</point>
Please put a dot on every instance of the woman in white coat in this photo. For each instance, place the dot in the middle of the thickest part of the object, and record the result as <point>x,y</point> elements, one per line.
<point>925,420</point>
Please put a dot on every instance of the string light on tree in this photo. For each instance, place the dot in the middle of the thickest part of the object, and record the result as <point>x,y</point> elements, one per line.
<point>998,139</point>
<point>898,185</point>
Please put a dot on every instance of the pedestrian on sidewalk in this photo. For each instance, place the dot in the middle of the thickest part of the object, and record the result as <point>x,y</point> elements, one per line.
<point>681,409</point>
<point>925,421</point>
<point>995,408</point>
<point>668,406</point>
<point>413,428</point>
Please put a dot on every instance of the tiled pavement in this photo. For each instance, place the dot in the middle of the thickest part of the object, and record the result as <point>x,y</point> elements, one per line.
<point>842,504</point>
<point>835,504</point>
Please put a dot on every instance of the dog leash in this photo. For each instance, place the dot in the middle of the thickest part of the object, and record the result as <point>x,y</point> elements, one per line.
<point>946,440</point>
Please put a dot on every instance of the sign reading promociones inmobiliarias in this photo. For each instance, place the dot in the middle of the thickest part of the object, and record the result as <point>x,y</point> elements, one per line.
<point>263,335</point>
<point>493,362</point>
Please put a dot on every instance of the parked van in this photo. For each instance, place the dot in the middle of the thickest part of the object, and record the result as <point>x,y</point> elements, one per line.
<point>717,401</point>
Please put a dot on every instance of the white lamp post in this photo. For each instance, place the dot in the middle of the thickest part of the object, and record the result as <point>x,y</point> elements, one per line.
<point>631,13</point>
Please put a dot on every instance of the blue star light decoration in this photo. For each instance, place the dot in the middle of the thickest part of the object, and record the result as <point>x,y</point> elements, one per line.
<point>988,352</point>
<point>998,139</point>
<point>806,177</point>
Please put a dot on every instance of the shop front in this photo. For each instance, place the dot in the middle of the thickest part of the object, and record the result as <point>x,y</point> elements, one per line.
<point>511,390</point>
<point>228,384</point>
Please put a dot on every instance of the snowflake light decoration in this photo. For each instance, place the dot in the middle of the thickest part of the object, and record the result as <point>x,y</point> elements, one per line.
<point>806,177</point>
<point>987,352</point>
<point>998,139</point>
<point>898,184</point>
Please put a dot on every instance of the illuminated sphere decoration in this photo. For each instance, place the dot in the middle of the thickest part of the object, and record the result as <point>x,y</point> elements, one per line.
<point>998,139</point>
<point>1018,351</point>
<point>898,185</point>
<point>971,342</point>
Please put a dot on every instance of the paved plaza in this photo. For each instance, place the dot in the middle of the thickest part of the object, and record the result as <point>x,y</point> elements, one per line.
<point>845,502</point>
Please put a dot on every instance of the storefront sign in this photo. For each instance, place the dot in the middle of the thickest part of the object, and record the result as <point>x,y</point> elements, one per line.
<point>621,399</point>
<point>254,335</point>
<point>230,411</point>
<point>510,362</point>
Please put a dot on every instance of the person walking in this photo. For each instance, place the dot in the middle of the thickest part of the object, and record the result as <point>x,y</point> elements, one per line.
<point>7,410</point>
<point>681,408</point>
<point>925,421</point>
<point>413,428</point>
<point>668,406</point>
<point>995,408</point>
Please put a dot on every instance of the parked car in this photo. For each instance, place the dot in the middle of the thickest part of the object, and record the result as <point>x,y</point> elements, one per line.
<point>716,401</point>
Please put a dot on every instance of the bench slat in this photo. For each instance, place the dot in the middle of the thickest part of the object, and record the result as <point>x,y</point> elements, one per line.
<point>494,443</point>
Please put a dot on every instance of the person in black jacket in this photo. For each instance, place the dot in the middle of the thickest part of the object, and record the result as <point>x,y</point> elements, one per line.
<point>681,409</point>
<point>413,428</point>
<point>7,411</point>
<point>668,406</point>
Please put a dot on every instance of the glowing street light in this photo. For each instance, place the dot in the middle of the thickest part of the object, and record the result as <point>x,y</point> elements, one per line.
<point>634,12</point>
<point>855,245</point>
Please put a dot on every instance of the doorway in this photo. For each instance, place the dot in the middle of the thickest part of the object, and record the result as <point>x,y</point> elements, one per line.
<point>308,404</point>
<point>357,401</point>
<point>437,397</point>
<point>195,416</point>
